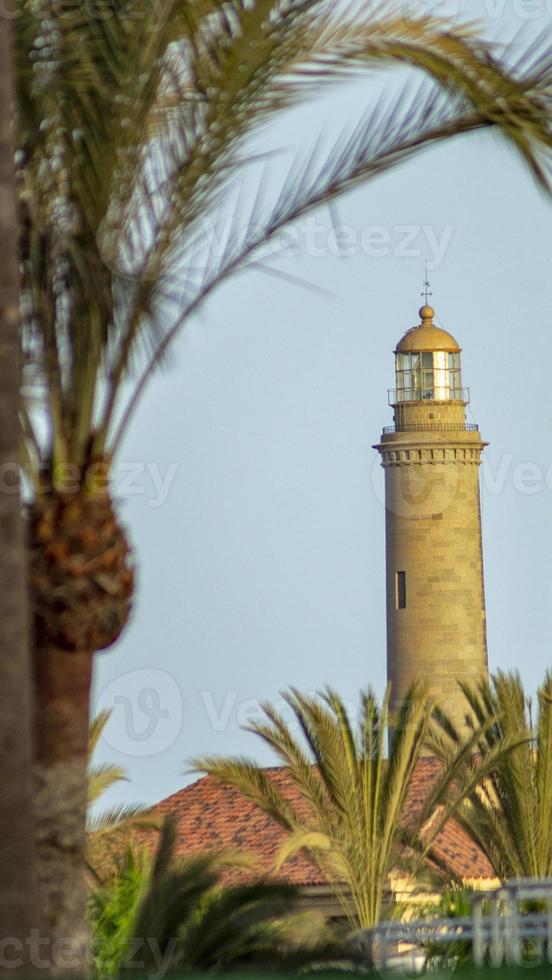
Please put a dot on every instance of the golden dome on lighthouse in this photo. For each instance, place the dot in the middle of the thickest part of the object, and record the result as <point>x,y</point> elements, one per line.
<point>426,336</point>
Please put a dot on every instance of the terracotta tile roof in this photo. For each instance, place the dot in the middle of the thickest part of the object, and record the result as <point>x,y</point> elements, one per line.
<point>211,816</point>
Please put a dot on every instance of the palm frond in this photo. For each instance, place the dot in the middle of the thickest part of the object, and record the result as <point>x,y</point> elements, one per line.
<point>301,839</point>
<point>134,129</point>
<point>132,815</point>
<point>173,891</point>
<point>502,776</point>
<point>96,730</point>
<point>389,134</point>
<point>102,777</point>
<point>200,925</point>
<point>252,782</point>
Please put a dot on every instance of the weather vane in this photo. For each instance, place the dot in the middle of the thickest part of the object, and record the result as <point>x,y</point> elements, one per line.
<point>426,293</point>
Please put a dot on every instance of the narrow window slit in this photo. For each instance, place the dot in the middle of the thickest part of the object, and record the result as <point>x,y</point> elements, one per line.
<point>400,590</point>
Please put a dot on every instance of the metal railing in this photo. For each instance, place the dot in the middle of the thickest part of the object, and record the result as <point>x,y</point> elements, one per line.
<point>432,427</point>
<point>405,945</point>
<point>398,396</point>
<point>514,922</point>
<point>512,925</point>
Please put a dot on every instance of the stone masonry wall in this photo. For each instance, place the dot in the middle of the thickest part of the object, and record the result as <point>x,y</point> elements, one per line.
<point>433,534</point>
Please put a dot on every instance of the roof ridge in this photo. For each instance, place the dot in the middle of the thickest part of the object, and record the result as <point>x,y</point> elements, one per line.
<point>203,778</point>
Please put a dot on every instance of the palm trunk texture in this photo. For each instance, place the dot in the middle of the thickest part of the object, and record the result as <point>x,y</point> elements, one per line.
<point>18,903</point>
<point>62,717</point>
<point>81,582</point>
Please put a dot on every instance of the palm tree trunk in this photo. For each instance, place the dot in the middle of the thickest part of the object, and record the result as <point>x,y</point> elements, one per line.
<point>81,581</point>
<point>18,904</point>
<point>62,682</point>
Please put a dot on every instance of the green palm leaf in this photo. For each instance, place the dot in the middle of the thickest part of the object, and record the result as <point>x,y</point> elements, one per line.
<point>508,812</point>
<point>133,130</point>
<point>194,922</point>
<point>102,777</point>
<point>130,814</point>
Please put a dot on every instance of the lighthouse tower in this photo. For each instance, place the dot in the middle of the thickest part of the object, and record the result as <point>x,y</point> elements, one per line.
<point>434,573</point>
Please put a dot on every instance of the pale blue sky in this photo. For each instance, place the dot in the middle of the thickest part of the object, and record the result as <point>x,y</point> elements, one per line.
<point>264,565</point>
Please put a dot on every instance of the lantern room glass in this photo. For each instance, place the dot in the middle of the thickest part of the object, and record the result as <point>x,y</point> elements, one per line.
<point>428,375</point>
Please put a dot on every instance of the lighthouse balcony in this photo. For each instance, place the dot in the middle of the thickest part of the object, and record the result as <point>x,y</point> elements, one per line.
<point>431,427</point>
<point>436,393</point>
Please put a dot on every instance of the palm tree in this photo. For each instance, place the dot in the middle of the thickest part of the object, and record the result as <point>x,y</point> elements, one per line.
<point>509,814</point>
<point>18,904</point>
<point>132,132</point>
<point>351,811</point>
<point>192,922</point>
